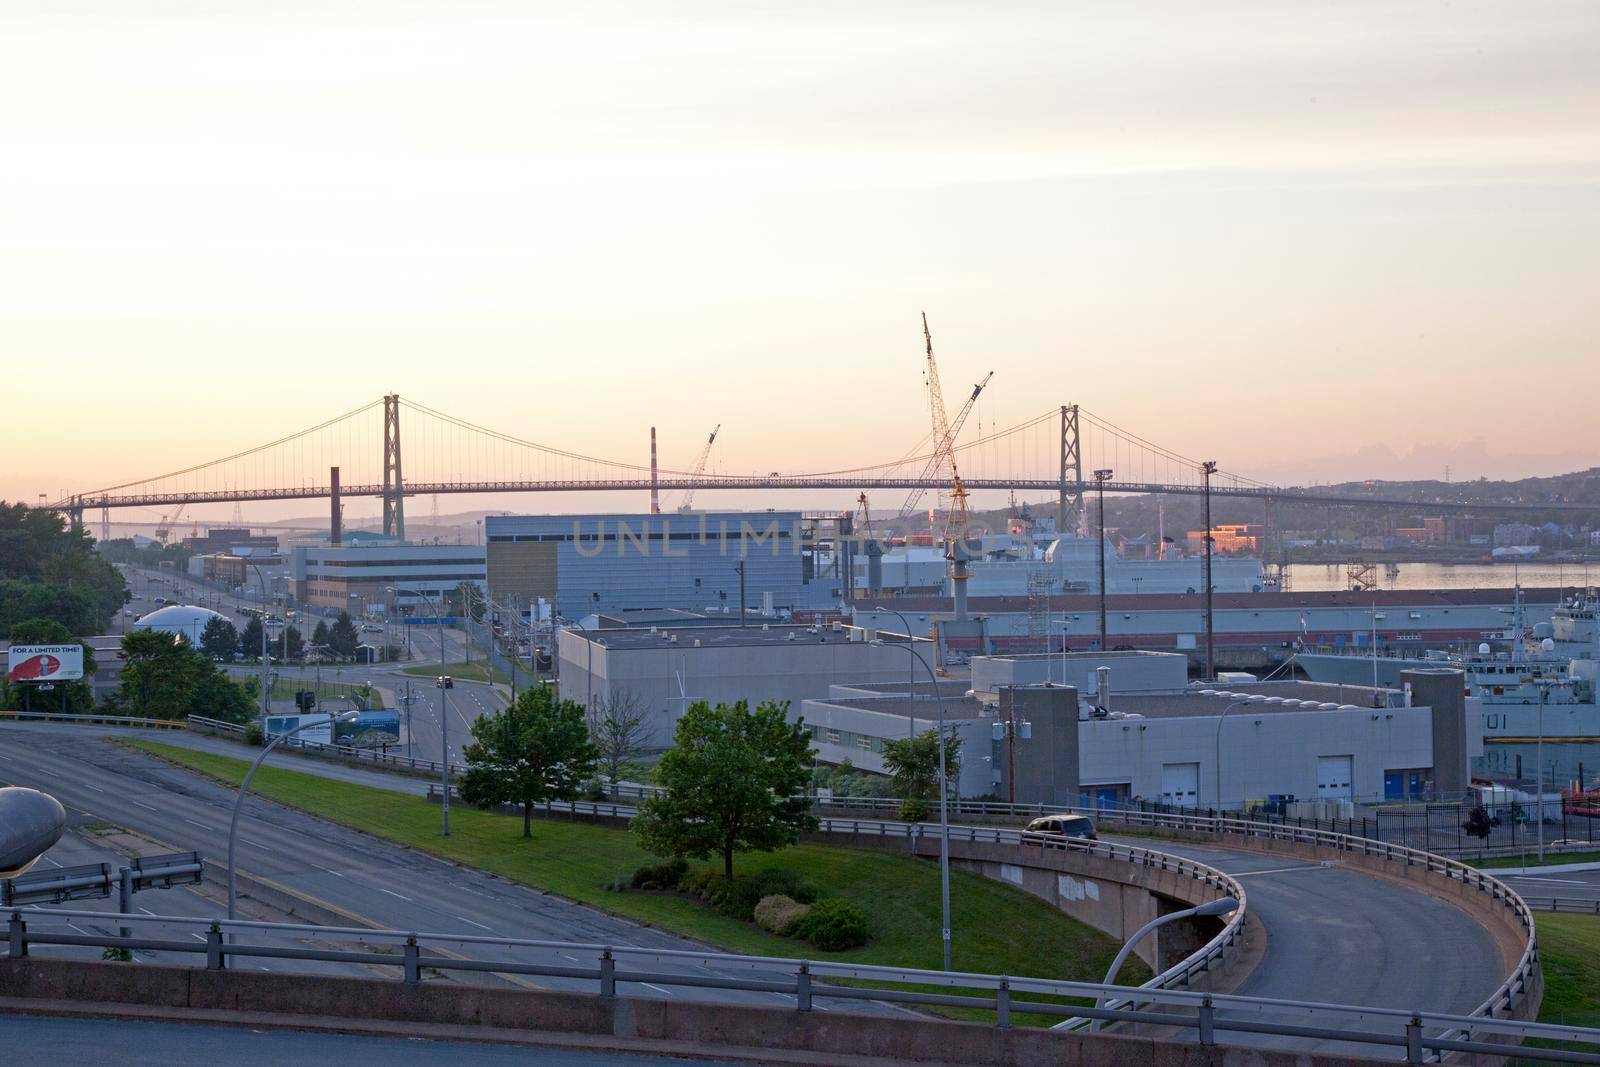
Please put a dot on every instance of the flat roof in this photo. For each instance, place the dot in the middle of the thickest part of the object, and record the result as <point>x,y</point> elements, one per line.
<point>719,637</point>
<point>1090,602</point>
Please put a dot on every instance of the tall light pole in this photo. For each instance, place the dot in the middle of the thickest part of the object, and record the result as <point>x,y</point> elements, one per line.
<point>944,809</point>
<point>1208,468</point>
<point>442,682</point>
<point>1224,715</point>
<point>1101,477</point>
<point>911,680</point>
<point>244,787</point>
<point>1538,764</point>
<point>262,620</point>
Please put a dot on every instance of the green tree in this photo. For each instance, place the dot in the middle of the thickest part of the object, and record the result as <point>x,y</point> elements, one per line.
<point>914,763</point>
<point>319,635</point>
<point>342,636</point>
<point>159,673</point>
<point>217,696</point>
<point>49,570</point>
<point>221,639</point>
<point>250,639</point>
<point>734,779</point>
<point>537,749</point>
<point>292,643</point>
<point>78,695</point>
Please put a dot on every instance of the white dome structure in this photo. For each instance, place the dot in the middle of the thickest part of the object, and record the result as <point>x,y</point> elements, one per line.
<point>185,619</point>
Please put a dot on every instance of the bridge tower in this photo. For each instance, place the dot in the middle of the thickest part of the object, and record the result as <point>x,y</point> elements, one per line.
<point>394,510</point>
<point>1069,506</point>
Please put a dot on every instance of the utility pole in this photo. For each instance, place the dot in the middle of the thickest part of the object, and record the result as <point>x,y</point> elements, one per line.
<point>1208,468</point>
<point>740,568</point>
<point>1101,477</point>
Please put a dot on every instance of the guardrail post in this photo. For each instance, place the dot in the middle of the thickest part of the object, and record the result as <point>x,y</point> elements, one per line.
<point>19,936</point>
<point>413,967</point>
<point>1414,1039</point>
<point>608,974</point>
<point>802,988</point>
<point>214,954</point>
<point>1208,1022</point>
<point>1002,1004</point>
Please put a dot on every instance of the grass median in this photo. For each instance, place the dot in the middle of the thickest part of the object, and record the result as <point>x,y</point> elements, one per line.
<point>461,672</point>
<point>996,929</point>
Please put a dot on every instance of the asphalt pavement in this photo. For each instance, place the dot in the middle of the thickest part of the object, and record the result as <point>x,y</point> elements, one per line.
<point>49,1039</point>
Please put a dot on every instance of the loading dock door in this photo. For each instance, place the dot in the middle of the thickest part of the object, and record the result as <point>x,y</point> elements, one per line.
<point>1180,784</point>
<point>1333,777</point>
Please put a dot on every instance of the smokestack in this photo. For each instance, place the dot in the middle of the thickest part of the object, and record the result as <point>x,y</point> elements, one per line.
<point>336,518</point>
<point>1102,688</point>
<point>655,492</point>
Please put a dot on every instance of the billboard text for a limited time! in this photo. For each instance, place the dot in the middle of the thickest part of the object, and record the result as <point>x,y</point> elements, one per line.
<point>44,663</point>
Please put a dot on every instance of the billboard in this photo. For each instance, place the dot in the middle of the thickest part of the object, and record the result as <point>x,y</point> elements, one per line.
<point>371,729</point>
<point>44,663</point>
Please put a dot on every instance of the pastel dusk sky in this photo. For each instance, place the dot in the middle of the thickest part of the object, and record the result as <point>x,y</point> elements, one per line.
<point>1312,240</point>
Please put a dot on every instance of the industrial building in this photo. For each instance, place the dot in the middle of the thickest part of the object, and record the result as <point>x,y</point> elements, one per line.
<point>666,670</point>
<point>696,562</point>
<point>1253,630</point>
<point>1265,743</point>
<point>358,577</point>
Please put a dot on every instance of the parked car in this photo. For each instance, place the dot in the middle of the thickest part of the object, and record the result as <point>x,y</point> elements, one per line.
<point>1079,826</point>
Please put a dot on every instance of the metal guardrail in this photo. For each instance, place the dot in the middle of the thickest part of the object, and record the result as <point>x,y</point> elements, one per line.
<point>1566,905</point>
<point>1207,1015</point>
<point>96,720</point>
<point>376,757</point>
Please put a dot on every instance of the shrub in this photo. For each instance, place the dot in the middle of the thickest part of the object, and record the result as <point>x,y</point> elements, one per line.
<point>776,881</point>
<point>663,876</point>
<point>775,913</point>
<point>913,809</point>
<point>831,925</point>
<point>253,735</point>
<point>594,790</point>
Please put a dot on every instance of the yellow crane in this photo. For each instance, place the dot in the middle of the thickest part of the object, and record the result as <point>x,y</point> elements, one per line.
<point>944,458</point>
<point>934,461</point>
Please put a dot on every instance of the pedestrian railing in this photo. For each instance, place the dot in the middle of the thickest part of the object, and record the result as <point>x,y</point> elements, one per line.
<point>623,971</point>
<point>1571,905</point>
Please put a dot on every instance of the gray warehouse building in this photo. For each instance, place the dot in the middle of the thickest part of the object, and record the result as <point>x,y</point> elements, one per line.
<point>1300,741</point>
<point>598,563</point>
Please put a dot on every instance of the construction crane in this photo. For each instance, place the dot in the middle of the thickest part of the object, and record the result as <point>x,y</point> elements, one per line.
<point>944,454</point>
<point>935,460</point>
<point>700,468</point>
<point>164,528</point>
<point>871,547</point>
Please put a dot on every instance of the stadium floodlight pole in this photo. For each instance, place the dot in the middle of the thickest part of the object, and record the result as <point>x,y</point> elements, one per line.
<point>444,712</point>
<point>1208,468</point>
<point>1220,906</point>
<point>1101,477</point>
<point>944,806</point>
<point>244,787</point>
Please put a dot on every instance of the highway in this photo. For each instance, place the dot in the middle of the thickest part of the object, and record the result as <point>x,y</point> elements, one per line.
<point>377,882</point>
<point>1575,889</point>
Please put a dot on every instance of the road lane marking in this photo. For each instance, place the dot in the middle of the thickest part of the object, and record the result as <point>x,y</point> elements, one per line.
<point>392,893</point>
<point>1550,881</point>
<point>147,911</point>
<point>1279,870</point>
<point>257,844</point>
<point>480,926</point>
<point>202,825</point>
<point>657,988</point>
<point>96,788</point>
<point>146,807</point>
<point>326,870</point>
<point>52,863</point>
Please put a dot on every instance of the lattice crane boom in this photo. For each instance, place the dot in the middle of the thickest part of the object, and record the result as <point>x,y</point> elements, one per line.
<point>931,468</point>
<point>700,467</point>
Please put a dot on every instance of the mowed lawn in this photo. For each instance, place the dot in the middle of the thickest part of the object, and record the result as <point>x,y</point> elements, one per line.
<point>996,929</point>
<point>1569,950</point>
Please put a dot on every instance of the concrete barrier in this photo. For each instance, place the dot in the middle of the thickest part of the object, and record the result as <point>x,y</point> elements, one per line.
<point>770,1035</point>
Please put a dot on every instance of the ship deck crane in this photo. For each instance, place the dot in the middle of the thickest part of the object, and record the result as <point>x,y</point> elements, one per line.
<point>700,468</point>
<point>164,528</point>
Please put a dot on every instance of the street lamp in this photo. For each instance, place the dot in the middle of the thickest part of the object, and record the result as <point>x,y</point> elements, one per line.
<point>244,787</point>
<point>444,711</point>
<point>944,808</point>
<point>1224,715</point>
<point>1208,468</point>
<point>243,552</point>
<point>1101,477</point>
<point>911,681</point>
<point>1220,906</point>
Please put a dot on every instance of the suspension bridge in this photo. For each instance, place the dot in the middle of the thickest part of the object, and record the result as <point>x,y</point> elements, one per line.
<point>360,454</point>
